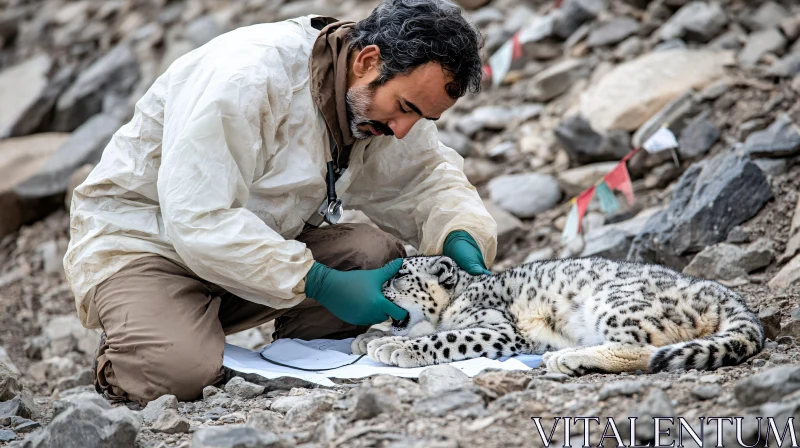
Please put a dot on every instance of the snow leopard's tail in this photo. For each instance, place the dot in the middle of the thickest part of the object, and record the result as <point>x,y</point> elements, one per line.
<point>740,335</point>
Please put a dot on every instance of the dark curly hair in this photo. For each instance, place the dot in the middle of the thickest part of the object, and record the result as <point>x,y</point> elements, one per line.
<point>410,33</point>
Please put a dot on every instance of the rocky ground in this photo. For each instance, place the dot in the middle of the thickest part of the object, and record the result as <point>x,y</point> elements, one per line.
<point>602,75</point>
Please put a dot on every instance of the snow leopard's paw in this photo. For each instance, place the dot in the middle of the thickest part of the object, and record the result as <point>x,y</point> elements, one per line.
<point>393,351</point>
<point>359,344</point>
<point>571,361</point>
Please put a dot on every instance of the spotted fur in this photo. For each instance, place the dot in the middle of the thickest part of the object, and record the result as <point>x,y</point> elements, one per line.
<point>585,315</point>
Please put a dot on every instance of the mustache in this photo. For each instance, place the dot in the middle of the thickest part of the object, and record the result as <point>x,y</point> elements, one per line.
<point>380,127</point>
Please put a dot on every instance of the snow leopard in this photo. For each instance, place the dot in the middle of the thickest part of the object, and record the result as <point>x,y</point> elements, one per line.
<point>584,315</point>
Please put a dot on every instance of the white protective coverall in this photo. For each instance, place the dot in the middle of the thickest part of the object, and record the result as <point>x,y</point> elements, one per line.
<point>224,161</point>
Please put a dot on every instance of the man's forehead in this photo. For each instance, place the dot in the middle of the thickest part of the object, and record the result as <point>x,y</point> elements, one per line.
<point>424,88</point>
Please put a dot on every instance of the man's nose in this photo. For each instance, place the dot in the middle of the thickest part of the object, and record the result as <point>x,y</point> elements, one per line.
<point>402,126</point>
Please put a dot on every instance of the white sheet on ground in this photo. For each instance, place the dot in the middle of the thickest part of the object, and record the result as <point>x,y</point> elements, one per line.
<point>327,353</point>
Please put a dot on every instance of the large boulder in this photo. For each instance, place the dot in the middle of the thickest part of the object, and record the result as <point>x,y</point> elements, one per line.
<point>525,195</point>
<point>112,75</point>
<point>632,92</point>
<point>585,145</point>
<point>85,145</point>
<point>710,199</point>
<point>21,158</point>
<point>84,424</point>
<point>28,95</point>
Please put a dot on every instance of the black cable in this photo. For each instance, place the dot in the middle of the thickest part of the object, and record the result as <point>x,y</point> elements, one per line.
<point>309,370</point>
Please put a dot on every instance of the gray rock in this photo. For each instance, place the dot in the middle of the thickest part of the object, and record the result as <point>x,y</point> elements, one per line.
<point>285,403</point>
<point>457,141</point>
<point>23,425</point>
<point>769,15</point>
<point>9,386</point>
<point>707,392</point>
<point>370,402</point>
<point>496,117</point>
<point>158,407</point>
<point>773,167</point>
<point>20,406</point>
<point>613,32</point>
<point>612,244</point>
<point>698,137</point>
<point>524,195</point>
<point>725,261</point>
<point>170,422</point>
<point>87,425</point>
<point>573,14</point>
<point>621,388</point>
<point>447,402</point>
<point>710,198</point>
<point>787,276</point>
<point>557,79</point>
<point>24,88</point>
<point>485,16</point>
<point>115,74</point>
<point>760,43</point>
<point>771,385</point>
<point>655,404</point>
<point>509,227</point>
<point>83,378</point>
<point>237,437</point>
<point>698,21</point>
<point>7,435</point>
<point>780,413</point>
<point>556,377</point>
<point>479,171</point>
<point>71,401</point>
<point>85,145</point>
<point>210,391</point>
<point>584,145</point>
<point>502,382</point>
<point>629,48</point>
<point>6,362</point>
<point>781,139</point>
<point>439,378</point>
<point>771,321</point>
<point>269,420</point>
<point>792,329</point>
<point>240,388</point>
<point>788,67</point>
<point>201,30</point>
<point>672,44</point>
<point>310,410</point>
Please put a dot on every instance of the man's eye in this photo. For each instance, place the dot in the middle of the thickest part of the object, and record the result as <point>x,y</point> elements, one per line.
<point>402,109</point>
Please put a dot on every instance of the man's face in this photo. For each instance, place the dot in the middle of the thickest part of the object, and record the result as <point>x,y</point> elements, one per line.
<point>394,107</point>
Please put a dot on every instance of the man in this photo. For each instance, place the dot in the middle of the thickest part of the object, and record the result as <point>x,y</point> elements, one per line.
<point>195,224</point>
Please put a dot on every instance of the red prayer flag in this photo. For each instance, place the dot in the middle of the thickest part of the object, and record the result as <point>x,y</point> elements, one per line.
<point>582,202</point>
<point>619,179</point>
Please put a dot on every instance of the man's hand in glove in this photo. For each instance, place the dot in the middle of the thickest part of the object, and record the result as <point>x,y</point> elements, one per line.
<point>354,296</point>
<point>462,248</point>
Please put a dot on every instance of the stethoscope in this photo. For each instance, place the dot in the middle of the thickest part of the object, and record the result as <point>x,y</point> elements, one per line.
<point>330,210</point>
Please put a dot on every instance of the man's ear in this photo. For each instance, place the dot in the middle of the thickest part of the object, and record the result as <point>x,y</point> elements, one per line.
<point>445,270</point>
<point>369,58</point>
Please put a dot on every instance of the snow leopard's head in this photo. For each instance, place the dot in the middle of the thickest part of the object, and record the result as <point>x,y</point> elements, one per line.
<point>424,286</point>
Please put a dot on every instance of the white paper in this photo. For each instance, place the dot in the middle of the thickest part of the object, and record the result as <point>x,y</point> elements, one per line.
<point>327,353</point>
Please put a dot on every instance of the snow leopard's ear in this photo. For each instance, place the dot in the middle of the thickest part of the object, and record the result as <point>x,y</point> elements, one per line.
<point>445,270</point>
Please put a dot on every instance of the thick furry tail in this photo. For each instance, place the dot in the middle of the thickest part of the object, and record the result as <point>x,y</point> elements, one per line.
<point>740,336</point>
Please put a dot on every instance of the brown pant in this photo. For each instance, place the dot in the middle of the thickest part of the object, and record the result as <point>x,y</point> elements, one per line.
<point>165,328</point>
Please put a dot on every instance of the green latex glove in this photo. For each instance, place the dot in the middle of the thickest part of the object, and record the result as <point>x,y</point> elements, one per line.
<point>355,297</point>
<point>462,248</point>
